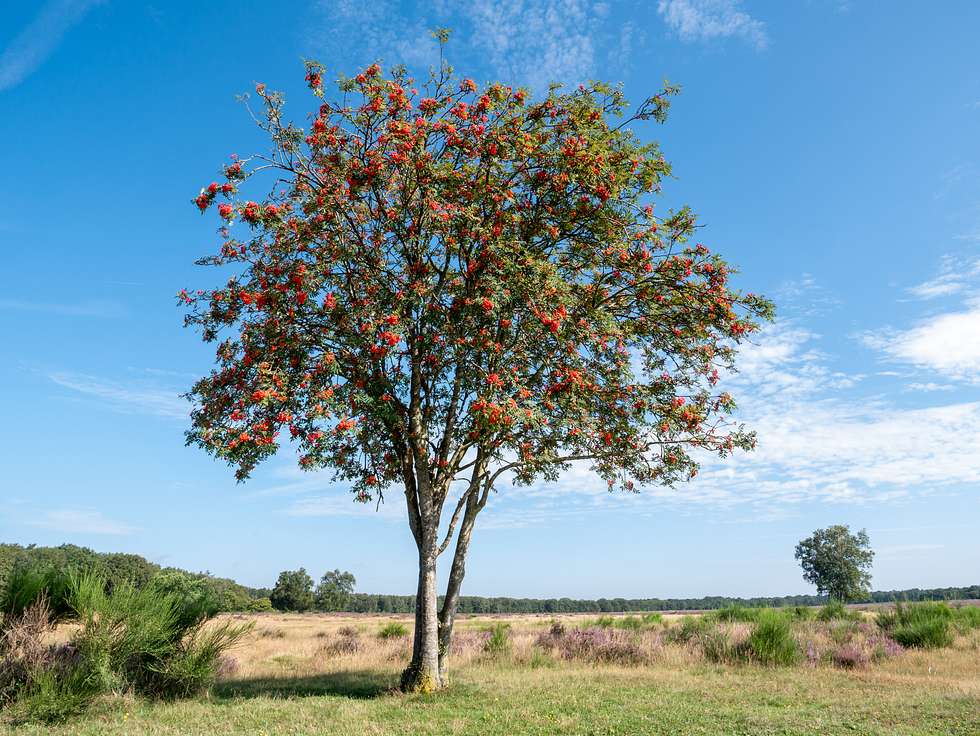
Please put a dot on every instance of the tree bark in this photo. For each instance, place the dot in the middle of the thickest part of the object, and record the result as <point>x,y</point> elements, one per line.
<point>422,674</point>
<point>447,616</point>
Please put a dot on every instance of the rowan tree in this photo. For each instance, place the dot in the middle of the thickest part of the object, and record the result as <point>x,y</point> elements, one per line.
<point>444,286</point>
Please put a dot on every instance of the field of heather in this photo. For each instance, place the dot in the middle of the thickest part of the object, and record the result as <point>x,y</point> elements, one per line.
<point>574,674</point>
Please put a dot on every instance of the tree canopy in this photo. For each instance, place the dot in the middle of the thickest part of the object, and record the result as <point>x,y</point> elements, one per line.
<point>334,590</point>
<point>837,562</point>
<point>293,591</point>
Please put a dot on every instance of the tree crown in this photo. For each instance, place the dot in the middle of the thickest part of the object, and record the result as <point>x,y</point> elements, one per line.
<point>837,562</point>
<point>445,276</point>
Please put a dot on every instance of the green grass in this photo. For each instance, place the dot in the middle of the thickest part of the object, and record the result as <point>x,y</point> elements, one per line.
<point>504,700</point>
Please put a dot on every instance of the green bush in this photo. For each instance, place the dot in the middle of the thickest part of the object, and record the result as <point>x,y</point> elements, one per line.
<point>718,647</point>
<point>800,613</point>
<point>259,605</point>
<point>689,627</point>
<point>922,625</point>
<point>147,641</point>
<point>499,641</point>
<point>393,630</point>
<point>24,586</point>
<point>966,618</point>
<point>736,612</point>
<point>772,642</point>
<point>837,611</point>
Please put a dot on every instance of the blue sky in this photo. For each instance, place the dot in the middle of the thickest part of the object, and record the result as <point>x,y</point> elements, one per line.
<point>831,148</point>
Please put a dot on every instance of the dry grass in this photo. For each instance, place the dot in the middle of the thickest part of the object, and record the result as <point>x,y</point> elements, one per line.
<point>305,682</point>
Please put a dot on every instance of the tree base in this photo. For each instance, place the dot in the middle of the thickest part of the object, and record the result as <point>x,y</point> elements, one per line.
<point>419,679</point>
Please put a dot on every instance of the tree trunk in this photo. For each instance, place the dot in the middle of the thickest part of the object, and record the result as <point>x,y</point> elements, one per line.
<point>447,616</point>
<point>422,675</point>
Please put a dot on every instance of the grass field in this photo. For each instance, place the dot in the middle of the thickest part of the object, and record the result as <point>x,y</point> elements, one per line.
<point>302,675</point>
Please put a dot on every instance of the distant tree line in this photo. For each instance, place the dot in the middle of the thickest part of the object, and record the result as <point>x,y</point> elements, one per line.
<point>295,590</point>
<point>369,603</point>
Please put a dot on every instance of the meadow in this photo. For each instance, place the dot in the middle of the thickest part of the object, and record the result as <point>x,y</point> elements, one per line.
<point>578,674</point>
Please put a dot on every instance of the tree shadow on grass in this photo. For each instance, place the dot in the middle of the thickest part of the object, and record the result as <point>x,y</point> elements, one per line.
<point>348,684</point>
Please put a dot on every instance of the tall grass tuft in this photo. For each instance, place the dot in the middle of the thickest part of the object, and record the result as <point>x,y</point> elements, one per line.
<point>393,630</point>
<point>771,641</point>
<point>499,641</point>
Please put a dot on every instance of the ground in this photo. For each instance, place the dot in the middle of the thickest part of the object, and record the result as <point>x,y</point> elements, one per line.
<point>301,675</point>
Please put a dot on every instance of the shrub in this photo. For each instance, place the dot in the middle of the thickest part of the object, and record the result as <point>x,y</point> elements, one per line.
<point>499,641</point>
<point>393,630</point>
<point>341,646</point>
<point>600,645</point>
<point>966,618</point>
<point>24,586</point>
<point>837,611</point>
<point>924,634</point>
<point>718,647</point>
<point>849,656</point>
<point>348,632</point>
<point>921,625</point>
<point>629,623</point>
<point>689,628</point>
<point>736,612</point>
<point>801,613</point>
<point>272,633</point>
<point>772,642</point>
<point>259,605</point>
<point>145,641</point>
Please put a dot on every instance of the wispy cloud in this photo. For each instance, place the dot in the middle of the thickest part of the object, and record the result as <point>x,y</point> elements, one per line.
<point>526,42</point>
<point>818,443</point>
<point>29,48</point>
<point>707,20</point>
<point>82,309</point>
<point>82,521</point>
<point>955,275</point>
<point>126,397</point>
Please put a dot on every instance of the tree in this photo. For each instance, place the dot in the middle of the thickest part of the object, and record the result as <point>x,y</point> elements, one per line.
<point>334,590</point>
<point>293,591</point>
<point>837,562</point>
<point>446,287</point>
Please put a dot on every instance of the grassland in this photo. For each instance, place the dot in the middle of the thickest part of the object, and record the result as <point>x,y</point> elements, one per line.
<point>302,675</point>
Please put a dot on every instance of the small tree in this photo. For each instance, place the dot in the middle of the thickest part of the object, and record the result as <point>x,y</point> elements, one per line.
<point>334,590</point>
<point>293,591</point>
<point>446,286</point>
<point>837,562</point>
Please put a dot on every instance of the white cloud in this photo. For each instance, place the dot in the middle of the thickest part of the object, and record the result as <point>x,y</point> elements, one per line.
<point>28,49</point>
<point>930,386</point>
<point>954,277</point>
<point>538,41</point>
<point>817,443</point>
<point>706,20</point>
<point>946,343</point>
<point>129,398</point>
<point>79,521</point>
